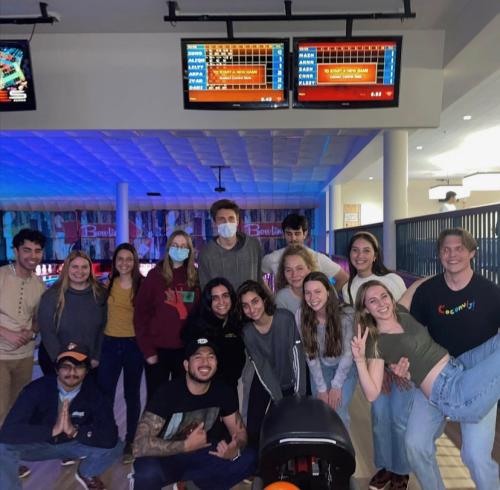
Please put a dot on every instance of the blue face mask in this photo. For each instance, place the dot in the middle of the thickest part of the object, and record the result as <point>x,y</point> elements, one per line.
<point>227,230</point>
<point>178,254</point>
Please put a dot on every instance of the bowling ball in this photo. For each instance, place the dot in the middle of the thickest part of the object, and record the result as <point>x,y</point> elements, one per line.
<point>282,485</point>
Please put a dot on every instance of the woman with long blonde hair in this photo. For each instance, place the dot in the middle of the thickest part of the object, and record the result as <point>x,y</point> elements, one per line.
<point>295,263</point>
<point>163,302</point>
<point>72,310</point>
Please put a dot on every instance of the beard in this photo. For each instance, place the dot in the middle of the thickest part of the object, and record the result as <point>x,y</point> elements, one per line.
<point>195,378</point>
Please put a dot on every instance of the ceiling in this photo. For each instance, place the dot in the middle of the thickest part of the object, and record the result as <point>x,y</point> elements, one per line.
<point>271,168</point>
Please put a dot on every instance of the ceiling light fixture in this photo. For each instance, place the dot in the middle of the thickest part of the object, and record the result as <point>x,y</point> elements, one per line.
<point>467,117</point>
<point>419,147</point>
<point>482,181</point>
<point>220,187</point>
<point>439,191</point>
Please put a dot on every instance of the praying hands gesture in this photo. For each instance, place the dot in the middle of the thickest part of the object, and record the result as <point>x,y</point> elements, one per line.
<point>63,423</point>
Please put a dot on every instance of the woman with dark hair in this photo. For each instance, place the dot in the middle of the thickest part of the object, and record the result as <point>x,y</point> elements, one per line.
<point>72,310</point>
<point>119,348</point>
<point>390,412</point>
<point>216,318</point>
<point>275,350</point>
<point>326,330</point>
<point>165,298</point>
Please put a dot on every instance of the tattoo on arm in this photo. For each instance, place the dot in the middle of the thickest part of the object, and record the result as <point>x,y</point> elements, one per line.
<point>147,442</point>
<point>238,427</point>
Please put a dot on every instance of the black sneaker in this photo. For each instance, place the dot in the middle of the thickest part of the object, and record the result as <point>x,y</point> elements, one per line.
<point>23,471</point>
<point>380,479</point>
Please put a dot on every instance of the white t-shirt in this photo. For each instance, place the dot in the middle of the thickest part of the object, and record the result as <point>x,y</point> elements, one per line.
<point>286,298</point>
<point>445,207</point>
<point>271,262</point>
<point>393,282</point>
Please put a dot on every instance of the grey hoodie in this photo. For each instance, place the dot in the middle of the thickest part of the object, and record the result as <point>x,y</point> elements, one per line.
<point>237,265</point>
<point>278,356</point>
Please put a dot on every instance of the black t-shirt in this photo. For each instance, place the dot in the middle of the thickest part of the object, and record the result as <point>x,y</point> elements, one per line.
<point>458,320</point>
<point>183,411</point>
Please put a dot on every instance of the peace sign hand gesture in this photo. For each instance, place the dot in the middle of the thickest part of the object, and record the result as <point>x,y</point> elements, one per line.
<point>358,344</point>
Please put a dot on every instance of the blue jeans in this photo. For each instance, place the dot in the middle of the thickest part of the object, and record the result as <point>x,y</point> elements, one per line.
<point>122,353</point>
<point>389,415</point>
<point>97,460</point>
<point>206,471</point>
<point>426,424</point>
<point>347,390</point>
<point>469,386</point>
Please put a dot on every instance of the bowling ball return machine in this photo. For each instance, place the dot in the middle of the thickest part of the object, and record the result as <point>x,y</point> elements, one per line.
<point>304,442</point>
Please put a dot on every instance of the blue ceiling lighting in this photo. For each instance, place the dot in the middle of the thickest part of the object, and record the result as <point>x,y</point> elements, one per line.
<point>80,169</point>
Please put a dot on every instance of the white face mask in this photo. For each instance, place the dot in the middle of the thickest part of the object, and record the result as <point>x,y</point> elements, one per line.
<point>227,230</point>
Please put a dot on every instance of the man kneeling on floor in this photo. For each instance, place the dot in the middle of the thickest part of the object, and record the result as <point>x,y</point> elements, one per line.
<point>61,417</point>
<point>180,436</point>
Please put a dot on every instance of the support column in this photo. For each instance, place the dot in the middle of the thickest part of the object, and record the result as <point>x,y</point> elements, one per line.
<point>121,213</point>
<point>395,188</point>
<point>335,214</point>
<point>320,223</point>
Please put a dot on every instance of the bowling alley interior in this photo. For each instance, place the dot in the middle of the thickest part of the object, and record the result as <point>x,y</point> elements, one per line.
<point>362,126</point>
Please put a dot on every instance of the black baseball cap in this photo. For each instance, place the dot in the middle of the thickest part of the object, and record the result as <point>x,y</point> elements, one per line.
<point>193,345</point>
<point>75,353</point>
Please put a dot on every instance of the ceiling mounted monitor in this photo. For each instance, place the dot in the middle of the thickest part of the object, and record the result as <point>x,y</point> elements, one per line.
<point>235,73</point>
<point>341,73</point>
<point>16,76</point>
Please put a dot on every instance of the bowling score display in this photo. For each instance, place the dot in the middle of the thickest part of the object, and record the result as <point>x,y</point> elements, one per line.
<point>346,73</point>
<point>235,74</point>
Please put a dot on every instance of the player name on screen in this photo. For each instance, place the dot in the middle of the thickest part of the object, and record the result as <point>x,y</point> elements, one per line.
<point>236,72</point>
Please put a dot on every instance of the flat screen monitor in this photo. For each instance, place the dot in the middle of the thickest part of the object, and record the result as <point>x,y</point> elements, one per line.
<point>342,73</point>
<point>16,76</point>
<point>235,74</point>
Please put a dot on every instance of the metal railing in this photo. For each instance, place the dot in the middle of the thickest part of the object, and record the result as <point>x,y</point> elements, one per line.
<point>416,240</point>
<point>342,236</point>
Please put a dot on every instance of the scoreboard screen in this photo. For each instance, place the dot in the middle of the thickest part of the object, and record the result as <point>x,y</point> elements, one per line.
<point>235,74</point>
<point>16,77</point>
<point>347,73</point>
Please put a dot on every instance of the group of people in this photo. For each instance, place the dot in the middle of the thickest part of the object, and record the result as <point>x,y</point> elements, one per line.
<point>200,331</point>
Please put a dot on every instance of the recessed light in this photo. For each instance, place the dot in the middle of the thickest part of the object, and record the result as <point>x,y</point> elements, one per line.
<point>467,117</point>
<point>419,147</point>
<point>370,178</point>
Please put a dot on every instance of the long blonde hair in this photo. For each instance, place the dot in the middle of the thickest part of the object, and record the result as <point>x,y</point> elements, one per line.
<point>167,265</point>
<point>62,284</point>
<point>291,250</point>
<point>363,317</point>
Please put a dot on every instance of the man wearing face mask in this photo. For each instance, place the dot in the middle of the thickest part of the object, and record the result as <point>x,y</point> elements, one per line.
<point>231,254</point>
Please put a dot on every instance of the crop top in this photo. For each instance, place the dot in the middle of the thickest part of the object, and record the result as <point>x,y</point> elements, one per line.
<point>415,343</point>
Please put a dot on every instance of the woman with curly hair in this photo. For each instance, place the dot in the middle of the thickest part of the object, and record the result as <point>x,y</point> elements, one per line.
<point>295,263</point>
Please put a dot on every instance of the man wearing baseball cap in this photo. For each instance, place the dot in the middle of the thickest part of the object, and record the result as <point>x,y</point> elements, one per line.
<point>192,430</point>
<point>58,417</point>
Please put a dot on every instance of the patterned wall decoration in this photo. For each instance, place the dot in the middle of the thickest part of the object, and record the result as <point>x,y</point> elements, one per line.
<point>95,231</point>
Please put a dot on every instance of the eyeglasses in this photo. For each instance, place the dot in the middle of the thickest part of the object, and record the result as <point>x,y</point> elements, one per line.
<point>70,367</point>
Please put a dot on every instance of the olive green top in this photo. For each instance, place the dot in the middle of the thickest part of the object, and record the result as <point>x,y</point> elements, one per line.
<point>415,343</point>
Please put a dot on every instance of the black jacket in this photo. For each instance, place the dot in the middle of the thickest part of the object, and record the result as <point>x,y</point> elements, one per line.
<point>35,411</point>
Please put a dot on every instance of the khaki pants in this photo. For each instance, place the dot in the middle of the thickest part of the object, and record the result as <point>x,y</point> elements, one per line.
<point>14,376</point>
